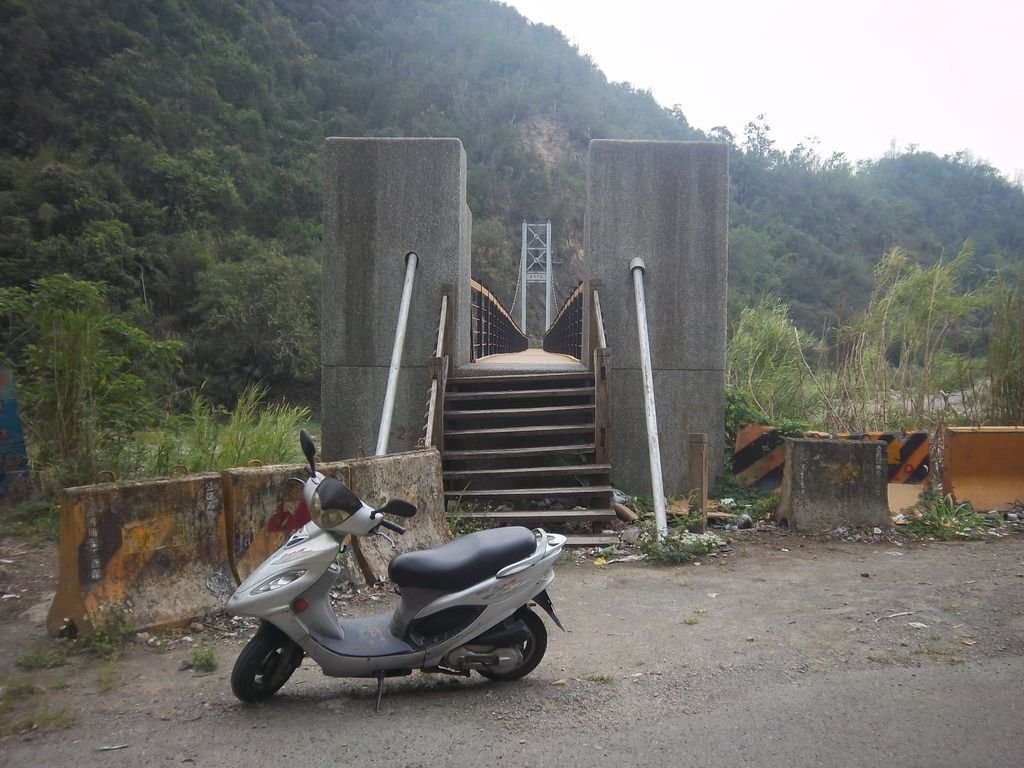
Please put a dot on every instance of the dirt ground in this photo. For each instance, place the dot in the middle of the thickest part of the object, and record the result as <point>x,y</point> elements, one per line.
<point>782,650</point>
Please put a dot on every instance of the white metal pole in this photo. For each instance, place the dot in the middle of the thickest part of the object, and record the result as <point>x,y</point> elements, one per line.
<point>637,268</point>
<point>396,355</point>
<point>547,291</point>
<point>522,283</point>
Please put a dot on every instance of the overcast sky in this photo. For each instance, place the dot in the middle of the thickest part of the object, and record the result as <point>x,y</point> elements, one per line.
<point>942,74</point>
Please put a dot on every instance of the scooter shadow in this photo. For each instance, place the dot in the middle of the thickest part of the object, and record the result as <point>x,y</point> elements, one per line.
<point>414,693</point>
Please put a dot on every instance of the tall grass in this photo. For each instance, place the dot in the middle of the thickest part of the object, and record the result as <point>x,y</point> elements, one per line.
<point>927,351</point>
<point>767,360</point>
<point>208,438</point>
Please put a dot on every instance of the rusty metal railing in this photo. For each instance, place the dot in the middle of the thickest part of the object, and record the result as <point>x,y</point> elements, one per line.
<point>565,336</point>
<point>493,330</point>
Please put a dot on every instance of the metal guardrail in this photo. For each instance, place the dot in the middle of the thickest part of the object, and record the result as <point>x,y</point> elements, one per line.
<point>637,269</point>
<point>493,330</point>
<point>565,336</point>
<point>411,260</point>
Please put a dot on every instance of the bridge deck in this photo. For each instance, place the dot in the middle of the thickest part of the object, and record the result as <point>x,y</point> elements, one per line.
<point>530,358</point>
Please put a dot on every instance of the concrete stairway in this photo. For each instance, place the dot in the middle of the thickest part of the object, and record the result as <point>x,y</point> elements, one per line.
<point>520,449</point>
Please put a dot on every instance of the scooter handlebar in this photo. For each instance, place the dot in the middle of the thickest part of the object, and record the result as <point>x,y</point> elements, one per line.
<point>392,526</point>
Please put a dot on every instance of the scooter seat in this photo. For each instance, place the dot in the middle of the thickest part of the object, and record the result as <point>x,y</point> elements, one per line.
<point>463,562</point>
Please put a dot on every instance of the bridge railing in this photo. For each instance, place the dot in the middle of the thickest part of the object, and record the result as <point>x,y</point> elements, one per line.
<point>565,336</point>
<point>494,332</point>
<point>601,359</point>
<point>437,368</point>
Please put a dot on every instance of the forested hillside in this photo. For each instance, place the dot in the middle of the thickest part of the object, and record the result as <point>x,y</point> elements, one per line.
<point>170,148</point>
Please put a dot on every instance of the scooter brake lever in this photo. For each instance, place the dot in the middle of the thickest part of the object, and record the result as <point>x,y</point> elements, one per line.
<point>383,535</point>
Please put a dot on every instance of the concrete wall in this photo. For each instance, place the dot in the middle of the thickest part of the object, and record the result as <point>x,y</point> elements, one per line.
<point>666,202</point>
<point>382,199</point>
<point>829,484</point>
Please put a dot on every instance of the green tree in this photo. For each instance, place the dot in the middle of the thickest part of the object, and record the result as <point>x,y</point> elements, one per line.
<point>87,378</point>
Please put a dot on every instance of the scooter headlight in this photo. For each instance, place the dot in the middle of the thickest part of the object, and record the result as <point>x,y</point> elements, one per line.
<point>326,518</point>
<point>281,580</point>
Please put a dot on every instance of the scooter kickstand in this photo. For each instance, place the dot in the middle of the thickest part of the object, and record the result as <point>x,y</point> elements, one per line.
<point>380,690</point>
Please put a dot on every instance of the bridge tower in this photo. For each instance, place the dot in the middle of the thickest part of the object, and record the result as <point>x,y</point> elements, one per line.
<point>535,267</point>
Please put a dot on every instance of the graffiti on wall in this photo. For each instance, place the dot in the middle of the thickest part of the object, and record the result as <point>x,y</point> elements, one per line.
<point>14,477</point>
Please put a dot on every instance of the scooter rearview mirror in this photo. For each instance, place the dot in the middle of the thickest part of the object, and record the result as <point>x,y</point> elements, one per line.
<point>308,448</point>
<point>398,508</point>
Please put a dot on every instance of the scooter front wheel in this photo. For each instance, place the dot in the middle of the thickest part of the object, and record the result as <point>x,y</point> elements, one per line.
<point>265,664</point>
<point>532,649</point>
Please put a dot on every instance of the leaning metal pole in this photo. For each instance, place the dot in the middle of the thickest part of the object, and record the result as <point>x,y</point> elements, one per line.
<point>522,282</point>
<point>547,278</point>
<point>396,355</point>
<point>637,269</point>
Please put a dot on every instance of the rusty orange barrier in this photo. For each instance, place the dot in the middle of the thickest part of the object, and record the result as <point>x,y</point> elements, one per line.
<point>157,548</point>
<point>263,507</point>
<point>166,550</point>
<point>984,465</point>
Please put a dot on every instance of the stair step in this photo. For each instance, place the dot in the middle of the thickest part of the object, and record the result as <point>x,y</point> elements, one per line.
<point>521,493</point>
<point>517,412</point>
<point>505,394</point>
<point>563,471</point>
<point>519,378</point>
<point>500,453</point>
<point>564,429</point>
<point>541,515</point>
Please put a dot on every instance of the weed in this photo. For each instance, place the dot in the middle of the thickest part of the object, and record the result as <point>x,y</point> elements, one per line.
<point>106,679</point>
<point>679,546</point>
<point>764,506</point>
<point>942,518</point>
<point>60,685</point>
<point>691,621</point>
<point>700,611</point>
<point>113,628</point>
<point>15,692</point>
<point>43,720</point>
<point>600,679</point>
<point>49,658</point>
<point>32,518</point>
<point>461,520</point>
<point>204,660</point>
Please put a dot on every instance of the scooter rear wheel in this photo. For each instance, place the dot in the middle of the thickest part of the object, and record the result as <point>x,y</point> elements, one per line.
<point>265,664</point>
<point>532,649</point>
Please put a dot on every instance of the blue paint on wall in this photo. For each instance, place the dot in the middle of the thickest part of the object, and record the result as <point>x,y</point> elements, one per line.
<point>14,477</point>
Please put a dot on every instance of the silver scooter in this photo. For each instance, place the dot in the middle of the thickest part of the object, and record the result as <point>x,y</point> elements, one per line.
<point>464,605</point>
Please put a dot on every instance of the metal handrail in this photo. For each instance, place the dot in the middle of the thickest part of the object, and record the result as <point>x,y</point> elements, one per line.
<point>637,269</point>
<point>411,259</point>
<point>493,331</point>
<point>433,435</point>
<point>565,336</point>
<point>601,360</point>
<point>602,340</point>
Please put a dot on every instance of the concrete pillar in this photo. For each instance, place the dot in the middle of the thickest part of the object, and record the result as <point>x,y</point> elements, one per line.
<point>832,483</point>
<point>382,199</point>
<point>667,202</point>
